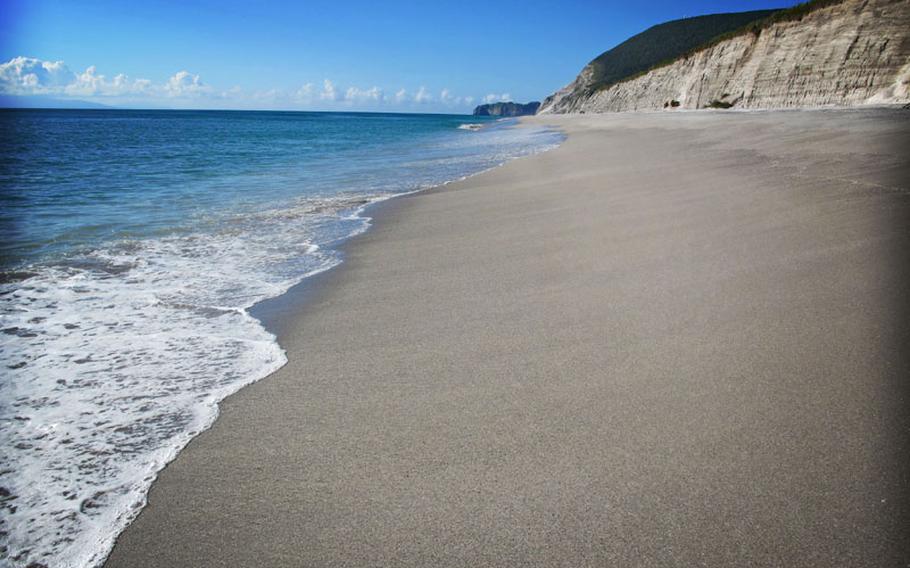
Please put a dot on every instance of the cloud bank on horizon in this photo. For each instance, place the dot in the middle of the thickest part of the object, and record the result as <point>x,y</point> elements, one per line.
<point>31,77</point>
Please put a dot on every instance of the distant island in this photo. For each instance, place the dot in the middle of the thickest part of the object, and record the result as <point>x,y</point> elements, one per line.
<point>507,109</point>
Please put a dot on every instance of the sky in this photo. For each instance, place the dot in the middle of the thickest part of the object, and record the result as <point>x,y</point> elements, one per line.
<point>381,55</point>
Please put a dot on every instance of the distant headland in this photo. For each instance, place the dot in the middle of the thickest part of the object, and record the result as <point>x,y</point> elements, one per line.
<point>507,109</point>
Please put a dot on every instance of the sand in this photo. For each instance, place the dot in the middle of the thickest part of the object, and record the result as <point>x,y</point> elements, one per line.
<point>676,340</point>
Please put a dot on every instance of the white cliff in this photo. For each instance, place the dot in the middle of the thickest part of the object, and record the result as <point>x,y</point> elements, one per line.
<point>856,52</point>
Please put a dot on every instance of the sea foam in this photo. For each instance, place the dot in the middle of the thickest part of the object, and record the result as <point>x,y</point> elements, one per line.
<point>115,356</point>
<point>116,361</point>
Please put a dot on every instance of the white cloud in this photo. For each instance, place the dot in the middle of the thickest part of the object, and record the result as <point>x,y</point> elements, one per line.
<point>447,98</point>
<point>494,98</point>
<point>185,84</point>
<point>87,83</point>
<point>31,76</point>
<point>329,92</point>
<point>91,83</point>
<point>373,94</point>
<point>332,93</point>
<point>27,75</point>
<point>305,92</point>
<point>423,96</point>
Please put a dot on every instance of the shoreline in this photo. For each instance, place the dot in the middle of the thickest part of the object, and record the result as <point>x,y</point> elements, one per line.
<point>277,313</point>
<point>198,534</point>
<point>263,250</point>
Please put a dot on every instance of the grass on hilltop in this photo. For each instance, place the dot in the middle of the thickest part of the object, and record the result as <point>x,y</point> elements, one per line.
<point>748,22</point>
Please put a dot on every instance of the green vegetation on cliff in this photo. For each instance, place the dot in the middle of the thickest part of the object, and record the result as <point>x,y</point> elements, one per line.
<point>673,37</point>
<point>795,13</point>
<point>664,43</point>
<point>621,78</point>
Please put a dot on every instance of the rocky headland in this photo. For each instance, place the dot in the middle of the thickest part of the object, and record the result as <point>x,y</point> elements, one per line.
<point>507,109</point>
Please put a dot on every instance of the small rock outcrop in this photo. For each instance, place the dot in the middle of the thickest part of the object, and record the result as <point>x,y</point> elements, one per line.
<point>847,53</point>
<point>507,109</point>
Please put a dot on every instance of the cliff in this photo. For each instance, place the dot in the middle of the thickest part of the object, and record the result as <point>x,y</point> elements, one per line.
<point>507,109</point>
<point>656,45</point>
<point>825,53</point>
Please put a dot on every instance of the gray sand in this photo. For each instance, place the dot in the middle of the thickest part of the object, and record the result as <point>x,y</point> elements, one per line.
<point>677,340</point>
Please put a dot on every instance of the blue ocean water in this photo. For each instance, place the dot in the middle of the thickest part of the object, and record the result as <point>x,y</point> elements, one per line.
<point>132,245</point>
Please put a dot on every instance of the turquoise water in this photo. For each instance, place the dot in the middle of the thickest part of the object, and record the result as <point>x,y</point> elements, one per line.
<point>132,245</point>
<point>73,179</point>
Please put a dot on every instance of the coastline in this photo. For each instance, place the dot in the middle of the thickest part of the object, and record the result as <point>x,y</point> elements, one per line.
<point>165,283</point>
<point>279,313</point>
<point>476,383</point>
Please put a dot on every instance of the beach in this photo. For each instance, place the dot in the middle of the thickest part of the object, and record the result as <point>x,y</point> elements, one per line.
<point>675,340</point>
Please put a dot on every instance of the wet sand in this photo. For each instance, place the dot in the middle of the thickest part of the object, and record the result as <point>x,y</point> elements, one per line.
<point>676,340</point>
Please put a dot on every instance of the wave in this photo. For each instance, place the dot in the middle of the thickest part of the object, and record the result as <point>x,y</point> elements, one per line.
<point>119,358</point>
<point>116,357</point>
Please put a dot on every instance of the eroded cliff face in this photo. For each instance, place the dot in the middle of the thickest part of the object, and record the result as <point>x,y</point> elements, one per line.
<point>853,53</point>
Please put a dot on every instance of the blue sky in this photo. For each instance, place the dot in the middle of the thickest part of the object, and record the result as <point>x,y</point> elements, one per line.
<point>312,55</point>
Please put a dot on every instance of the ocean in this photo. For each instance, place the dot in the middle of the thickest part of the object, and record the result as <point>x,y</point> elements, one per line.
<point>132,246</point>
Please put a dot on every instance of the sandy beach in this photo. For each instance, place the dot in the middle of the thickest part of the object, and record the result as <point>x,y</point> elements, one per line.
<point>676,340</point>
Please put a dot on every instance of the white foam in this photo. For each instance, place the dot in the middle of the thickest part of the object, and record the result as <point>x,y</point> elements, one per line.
<point>116,362</point>
<point>116,358</point>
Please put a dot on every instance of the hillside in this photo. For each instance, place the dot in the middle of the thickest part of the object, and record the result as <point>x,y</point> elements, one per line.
<point>823,53</point>
<point>658,44</point>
